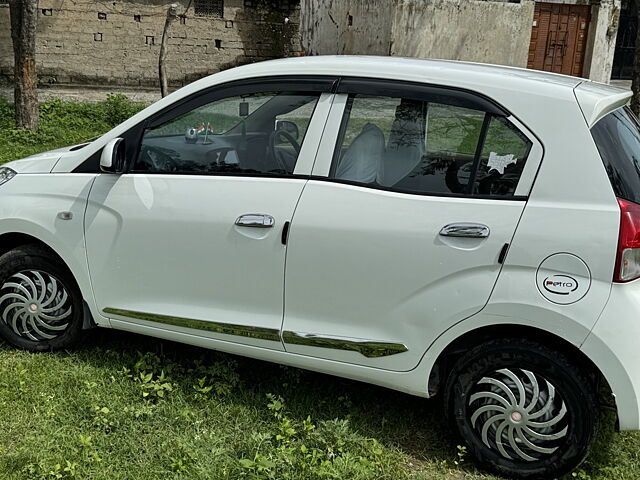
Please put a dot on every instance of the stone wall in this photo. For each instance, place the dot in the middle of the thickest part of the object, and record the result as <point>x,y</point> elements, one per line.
<point>118,42</point>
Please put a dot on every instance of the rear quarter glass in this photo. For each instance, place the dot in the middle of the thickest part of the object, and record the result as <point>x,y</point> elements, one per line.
<point>617,137</point>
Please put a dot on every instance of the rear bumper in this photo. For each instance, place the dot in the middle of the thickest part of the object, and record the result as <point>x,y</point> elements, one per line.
<point>614,346</point>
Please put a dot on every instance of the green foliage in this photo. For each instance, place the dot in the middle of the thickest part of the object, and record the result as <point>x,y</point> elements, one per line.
<point>84,414</point>
<point>61,124</point>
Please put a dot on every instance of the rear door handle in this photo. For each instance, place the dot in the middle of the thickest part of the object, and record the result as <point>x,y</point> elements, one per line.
<point>256,220</point>
<point>463,229</point>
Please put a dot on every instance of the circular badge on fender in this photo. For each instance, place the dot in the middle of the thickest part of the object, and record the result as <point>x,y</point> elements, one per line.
<point>563,278</point>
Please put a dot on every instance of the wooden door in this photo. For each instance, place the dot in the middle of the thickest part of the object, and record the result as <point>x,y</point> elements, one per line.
<point>559,38</point>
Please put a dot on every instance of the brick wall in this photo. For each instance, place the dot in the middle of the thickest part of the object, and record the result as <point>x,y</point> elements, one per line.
<point>118,42</point>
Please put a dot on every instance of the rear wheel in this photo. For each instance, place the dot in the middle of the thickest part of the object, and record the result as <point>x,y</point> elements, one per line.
<point>524,410</point>
<point>40,303</point>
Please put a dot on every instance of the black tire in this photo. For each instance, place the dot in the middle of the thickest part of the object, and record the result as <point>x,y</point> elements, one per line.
<point>565,396</point>
<point>41,307</point>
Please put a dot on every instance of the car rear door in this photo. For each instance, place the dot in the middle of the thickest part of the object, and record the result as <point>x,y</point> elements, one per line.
<point>416,195</point>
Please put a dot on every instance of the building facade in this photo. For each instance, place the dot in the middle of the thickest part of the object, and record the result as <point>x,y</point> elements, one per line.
<point>575,37</point>
<point>84,42</point>
<point>118,42</point>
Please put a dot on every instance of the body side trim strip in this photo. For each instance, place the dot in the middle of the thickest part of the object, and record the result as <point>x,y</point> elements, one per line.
<point>368,348</point>
<point>261,333</point>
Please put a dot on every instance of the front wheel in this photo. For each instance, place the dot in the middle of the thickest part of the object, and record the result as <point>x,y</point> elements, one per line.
<point>40,302</point>
<point>524,410</point>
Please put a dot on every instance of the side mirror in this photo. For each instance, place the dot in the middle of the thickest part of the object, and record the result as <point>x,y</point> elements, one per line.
<point>288,127</point>
<point>112,158</point>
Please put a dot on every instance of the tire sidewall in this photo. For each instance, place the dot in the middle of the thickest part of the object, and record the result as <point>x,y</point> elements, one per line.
<point>27,258</point>
<point>572,387</point>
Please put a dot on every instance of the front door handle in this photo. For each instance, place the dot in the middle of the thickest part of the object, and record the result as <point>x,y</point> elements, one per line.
<point>255,220</point>
<point>463,229</point>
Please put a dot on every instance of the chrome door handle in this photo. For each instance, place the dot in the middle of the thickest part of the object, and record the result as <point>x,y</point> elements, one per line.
<point>255,220</point>
<point>469,230</point>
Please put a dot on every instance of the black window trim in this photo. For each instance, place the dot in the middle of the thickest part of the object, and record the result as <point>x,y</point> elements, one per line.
<point>456,96</point>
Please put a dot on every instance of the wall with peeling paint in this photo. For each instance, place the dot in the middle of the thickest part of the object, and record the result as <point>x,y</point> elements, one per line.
<point>346,27</point>
<point>490,32</point>
<point>601,43</point>
<point>477,31</point>
<point>76,45</point>
<point>470,30</point>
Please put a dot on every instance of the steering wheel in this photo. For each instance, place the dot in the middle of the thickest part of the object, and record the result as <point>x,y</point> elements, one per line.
<point>156,160</point>
<point>272,148</point>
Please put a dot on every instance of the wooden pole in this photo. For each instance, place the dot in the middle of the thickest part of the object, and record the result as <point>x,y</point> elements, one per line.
<point>172,14</point>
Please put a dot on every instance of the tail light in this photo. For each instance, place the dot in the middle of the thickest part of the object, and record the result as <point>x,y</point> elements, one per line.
<point>628,257</point>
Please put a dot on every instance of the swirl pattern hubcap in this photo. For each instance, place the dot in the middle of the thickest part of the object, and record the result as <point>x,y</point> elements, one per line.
<point>35,305</point>
<point>519,414</point>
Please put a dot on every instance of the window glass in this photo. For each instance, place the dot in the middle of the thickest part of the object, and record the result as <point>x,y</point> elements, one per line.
<point>236,135</point>
<point>617,137</point>
<point>424,147</point>
<point>453,134</point>
<point>300,117</point>
<point>504,155</point>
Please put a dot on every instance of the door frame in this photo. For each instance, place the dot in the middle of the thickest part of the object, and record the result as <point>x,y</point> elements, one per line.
<point>385,87</point>
<point>324,86</point>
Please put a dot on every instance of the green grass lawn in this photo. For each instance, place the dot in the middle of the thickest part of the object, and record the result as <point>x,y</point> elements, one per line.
<point>128,407</point>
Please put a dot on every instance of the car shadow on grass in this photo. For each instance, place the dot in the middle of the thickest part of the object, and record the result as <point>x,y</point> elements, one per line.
<point>414,425</point>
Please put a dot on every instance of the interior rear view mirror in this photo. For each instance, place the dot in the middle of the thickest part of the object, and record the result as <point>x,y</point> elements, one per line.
<point>244,109</point>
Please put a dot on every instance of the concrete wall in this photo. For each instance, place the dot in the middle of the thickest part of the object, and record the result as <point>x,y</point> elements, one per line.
<point>346,27</point>
<point>74,46</point>
<point>473,30</point>
<point>490,32</point>
<point>601,42</point>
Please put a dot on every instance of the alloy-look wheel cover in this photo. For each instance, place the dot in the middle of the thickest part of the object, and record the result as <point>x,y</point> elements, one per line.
<point>519,414</point>
<point>35,305</point>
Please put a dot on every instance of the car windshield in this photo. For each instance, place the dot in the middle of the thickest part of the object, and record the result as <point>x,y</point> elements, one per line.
<point>617,137</point>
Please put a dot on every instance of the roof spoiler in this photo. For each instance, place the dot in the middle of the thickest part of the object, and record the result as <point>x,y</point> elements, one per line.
<point>597,100</point>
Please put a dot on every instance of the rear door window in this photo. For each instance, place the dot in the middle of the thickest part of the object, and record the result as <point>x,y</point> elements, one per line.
<point>418,146</point>
<point>617,137</point>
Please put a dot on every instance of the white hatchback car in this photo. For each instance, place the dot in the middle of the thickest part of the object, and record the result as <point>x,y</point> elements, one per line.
<point>426,226</point>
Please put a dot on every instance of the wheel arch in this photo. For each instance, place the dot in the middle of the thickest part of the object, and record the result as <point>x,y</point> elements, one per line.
<point>11,240</point>
<point>439,371</point>
<point>14,239</point>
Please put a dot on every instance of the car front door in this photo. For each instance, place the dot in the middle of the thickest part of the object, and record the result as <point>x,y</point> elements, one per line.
<point>189,239</point>
<point>402,230</point>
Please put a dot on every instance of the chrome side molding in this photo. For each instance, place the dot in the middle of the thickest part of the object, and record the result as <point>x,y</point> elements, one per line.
<point>367,348</point>
<point>260,333</point>
<point>464,229</point>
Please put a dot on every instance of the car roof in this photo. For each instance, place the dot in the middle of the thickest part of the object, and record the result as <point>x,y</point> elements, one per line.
<point>399,67</point>
<point>503,83</point>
